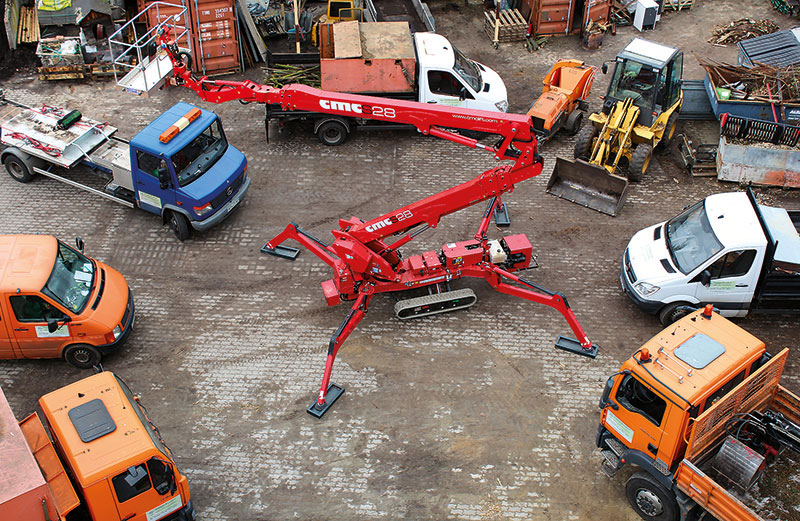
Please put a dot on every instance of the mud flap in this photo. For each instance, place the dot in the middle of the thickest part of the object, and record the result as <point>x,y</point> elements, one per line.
<point>573,346</point>
<point>284,252</point>
<point>334,392</point>
<point>501,218</point>
<point>588,185</point>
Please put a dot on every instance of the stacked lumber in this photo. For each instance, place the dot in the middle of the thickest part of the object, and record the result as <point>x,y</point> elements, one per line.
<point>678,5</point>
<point>764,83</point>
<point>94,71</point>
<point>513,26</point>
<point>279,75</point>
<point>28,28</point>
<point>741,29</point>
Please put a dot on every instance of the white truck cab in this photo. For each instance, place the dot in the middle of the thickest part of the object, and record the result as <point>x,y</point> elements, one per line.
<point>448,77</point>
<point>725,250</point>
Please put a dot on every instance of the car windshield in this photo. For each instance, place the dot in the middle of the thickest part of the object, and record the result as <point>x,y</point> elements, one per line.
<point>636,81</point>
<point>467,69</point>
<point>71,280</point>
<point>197,157</point>
<point>690,239</point>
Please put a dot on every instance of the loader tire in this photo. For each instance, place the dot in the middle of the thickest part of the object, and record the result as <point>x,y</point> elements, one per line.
<point>585,143</point>
<point>669,131</point>
<point>17,169</point>
<point>640,160</point>
<point>650,499</point>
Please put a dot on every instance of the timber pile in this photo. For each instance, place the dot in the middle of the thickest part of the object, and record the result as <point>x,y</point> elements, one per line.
<point>742,29</point>
<point>513,26</point>
<point>764,83</point>
<point>279,75</point>
<point>678,5</point>
<point>28,29</point>
<point>620,14</point>
<point>94,71</point>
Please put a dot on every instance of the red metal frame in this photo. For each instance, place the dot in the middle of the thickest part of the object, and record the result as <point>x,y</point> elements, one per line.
<point>363,262</point>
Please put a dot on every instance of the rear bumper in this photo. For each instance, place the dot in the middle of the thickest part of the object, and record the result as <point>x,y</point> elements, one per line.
<point>224,211</point>
<point>127,328</point>
<point>648,306</point>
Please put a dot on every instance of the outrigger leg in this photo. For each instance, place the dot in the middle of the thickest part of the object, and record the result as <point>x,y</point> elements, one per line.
<point>330,392</point>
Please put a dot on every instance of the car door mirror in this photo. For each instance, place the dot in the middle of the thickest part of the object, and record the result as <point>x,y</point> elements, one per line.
<point>462,94</point>
<point>52,325</point>
<point>163,178</point>
<point>604,68</point>
<point>705,278</point>
<point>79,244</point>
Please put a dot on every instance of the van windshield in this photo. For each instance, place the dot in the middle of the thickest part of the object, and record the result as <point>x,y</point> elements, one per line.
<point>200,154</point>
<point>71,280</point>
<point>690,239</point>
<point>467,69</point>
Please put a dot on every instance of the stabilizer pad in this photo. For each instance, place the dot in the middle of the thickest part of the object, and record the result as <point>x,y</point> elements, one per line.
<point>501,218</point>
<point>334,392</point>
<point>573,346</point>
<point>284,252</point>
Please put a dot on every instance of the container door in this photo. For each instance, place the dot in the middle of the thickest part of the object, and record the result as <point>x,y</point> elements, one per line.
<point>596,11</point>
<point>162,12</point>
<point>28,321</point>
<point>553,17</point>
<point>732,279</point>
<point>150,173</point>
<point>216,36</point>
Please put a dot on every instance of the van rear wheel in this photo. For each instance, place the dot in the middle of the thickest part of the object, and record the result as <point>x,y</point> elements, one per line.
<point>650,499</point>
<point>82,356</point>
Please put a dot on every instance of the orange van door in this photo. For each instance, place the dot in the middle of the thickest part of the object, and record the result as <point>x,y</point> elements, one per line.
<point>28,321</point>
<point>639,420</point>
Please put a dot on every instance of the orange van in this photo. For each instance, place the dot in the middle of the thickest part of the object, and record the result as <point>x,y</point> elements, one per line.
<point>57,302</point>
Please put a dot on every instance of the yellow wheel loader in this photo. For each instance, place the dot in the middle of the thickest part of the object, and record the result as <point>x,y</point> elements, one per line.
<point>640,113</point>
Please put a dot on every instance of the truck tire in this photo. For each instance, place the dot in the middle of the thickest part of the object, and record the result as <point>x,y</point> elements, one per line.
<point>574,122</point>
<point>649,499</point>
<point>585,143</point>
<point>640,160</point>
<point>17,169</point>
<point>669,131</point>
<point>332,133</point>
<point>674,312</point>
<point>179,225</point>
<point>82,356</point>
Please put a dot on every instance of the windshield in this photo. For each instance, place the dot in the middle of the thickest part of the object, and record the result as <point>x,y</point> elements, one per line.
<point>690,239</point>
<point>197,157</point>
<point>636,81</point>
<point>467,69</point>
<point>72,278</point>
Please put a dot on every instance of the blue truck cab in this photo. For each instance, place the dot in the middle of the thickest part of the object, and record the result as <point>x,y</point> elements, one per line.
<point>183,169</point>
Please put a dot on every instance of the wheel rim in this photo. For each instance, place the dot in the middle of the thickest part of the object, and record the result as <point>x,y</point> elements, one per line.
<point>15,169</point>
<point>173,221</point>
<point>332,135</point>
<point>82,356</point>
<point>648,502</point>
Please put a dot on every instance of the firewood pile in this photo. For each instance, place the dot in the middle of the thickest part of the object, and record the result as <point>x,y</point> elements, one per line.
<point>763,83</point>
<point>742,29</point>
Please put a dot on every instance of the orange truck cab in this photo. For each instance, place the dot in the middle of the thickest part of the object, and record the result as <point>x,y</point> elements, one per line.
<point>107,461</point>
<point>668,409</point>
<point>56,302</point>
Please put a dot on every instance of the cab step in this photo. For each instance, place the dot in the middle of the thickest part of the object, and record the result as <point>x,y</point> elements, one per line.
<point>432,304</point>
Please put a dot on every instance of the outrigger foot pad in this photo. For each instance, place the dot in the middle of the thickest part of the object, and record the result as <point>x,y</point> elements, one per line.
<point>284,252</point>
<point>573,346</point>
<point>334,392</point>
<point>501,217</point>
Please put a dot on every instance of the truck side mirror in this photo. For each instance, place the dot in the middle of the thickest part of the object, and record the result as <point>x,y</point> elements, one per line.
<point>705,278</point>
<point>79,244</point>
<point>163,178</point>
<point>604,68</point>
<point>604,401</point>
<point>52,325</point>
<point>462,94</point>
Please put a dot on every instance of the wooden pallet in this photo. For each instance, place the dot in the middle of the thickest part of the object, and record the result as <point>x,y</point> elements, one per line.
<point>94,71</point>
<point>28,28</point>
<point>677,5</point>
<point>513,26</point>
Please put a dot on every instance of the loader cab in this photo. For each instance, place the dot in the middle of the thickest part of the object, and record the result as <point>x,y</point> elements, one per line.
<point>648,73</point>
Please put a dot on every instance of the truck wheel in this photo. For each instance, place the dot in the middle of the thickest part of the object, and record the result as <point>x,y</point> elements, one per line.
<point>674,312</point>
<point>82,356</point>
<point>669,131</point>
<point>574,122</point>
<point>332,133</point>
<point>179,225</point>
<point>640,160</point>
<point>17,169</point>
<point>585,143</point>
<point>649,499</point>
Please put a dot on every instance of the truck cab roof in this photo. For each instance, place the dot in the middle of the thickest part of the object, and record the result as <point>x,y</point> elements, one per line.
<point>691,358</point>
<point>26,261</point>
<point>148,140</point>
<point>434,51</point>
<point>97,427</point>
<point>650,53</point>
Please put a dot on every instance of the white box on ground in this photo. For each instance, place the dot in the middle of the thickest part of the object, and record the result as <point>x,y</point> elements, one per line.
<point>646,13</point>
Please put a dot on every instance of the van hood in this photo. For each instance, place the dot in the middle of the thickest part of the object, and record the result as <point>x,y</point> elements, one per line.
<point>649,258</point>
<point>497,92</point>
<point>218,178</point>
<point>113,301</point>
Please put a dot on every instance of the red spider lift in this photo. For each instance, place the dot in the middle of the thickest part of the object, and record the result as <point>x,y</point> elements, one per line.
<point>364,261</point>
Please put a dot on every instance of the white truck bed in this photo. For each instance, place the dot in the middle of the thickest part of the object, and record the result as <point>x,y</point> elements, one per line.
<point>22,127</point>
<point>783,231</point>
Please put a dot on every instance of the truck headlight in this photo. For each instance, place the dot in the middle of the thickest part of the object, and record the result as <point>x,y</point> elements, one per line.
<point>502,106</point>
<point>117,332</point>
<point>202,210</point>
<point>646,289</point>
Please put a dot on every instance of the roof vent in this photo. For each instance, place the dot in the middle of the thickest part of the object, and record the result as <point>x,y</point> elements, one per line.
<point>91,420</point>
<point>699,351</point>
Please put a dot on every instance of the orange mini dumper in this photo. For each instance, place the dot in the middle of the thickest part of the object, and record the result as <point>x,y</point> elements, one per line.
<point>563,101</point>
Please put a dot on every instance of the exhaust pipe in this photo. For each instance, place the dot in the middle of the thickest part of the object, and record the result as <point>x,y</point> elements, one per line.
<point>588,185</point>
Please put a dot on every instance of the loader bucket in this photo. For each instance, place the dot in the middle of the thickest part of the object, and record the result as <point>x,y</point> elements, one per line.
<point>588,185</point>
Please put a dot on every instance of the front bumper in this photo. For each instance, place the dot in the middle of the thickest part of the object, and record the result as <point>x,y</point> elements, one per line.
<point>127,328</point>
<point>223,213</point>
<point>648,306</point>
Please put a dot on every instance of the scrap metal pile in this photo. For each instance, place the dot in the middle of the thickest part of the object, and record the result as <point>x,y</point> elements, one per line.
<point>764,83</point>
<point>741,29</point>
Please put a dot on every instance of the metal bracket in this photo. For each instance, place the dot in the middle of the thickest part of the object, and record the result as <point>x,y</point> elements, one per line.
<point>573,346</point>
<point>334,393</point>
<point>284,252</point>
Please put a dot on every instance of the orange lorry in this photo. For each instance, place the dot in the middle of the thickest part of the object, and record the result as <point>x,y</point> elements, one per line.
<point>700,411</point>
<point>106,462</point>
<point>56,302</point>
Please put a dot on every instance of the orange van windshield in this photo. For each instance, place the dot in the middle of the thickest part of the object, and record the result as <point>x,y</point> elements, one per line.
<point>71,280</point>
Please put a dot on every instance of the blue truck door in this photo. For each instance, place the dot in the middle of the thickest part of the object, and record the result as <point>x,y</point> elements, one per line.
<point>150,195</point>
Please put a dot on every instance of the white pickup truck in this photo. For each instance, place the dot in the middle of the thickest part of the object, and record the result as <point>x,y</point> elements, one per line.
<point>726,250</point>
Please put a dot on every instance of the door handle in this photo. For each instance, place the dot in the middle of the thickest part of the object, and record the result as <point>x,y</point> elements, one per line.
<point>21,329</point>
<point>742,285</point>
<point>652,448</point>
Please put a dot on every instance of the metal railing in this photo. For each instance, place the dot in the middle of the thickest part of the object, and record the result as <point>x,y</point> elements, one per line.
<point>749,129</point>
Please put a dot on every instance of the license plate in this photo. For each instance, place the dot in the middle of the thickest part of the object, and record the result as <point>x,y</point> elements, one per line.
<point>234,204</point>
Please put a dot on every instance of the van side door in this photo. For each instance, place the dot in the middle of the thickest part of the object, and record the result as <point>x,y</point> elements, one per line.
<point>444,88</point>
<point>729,280</point>
<point>152,181</point>
<point>28,321</point>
